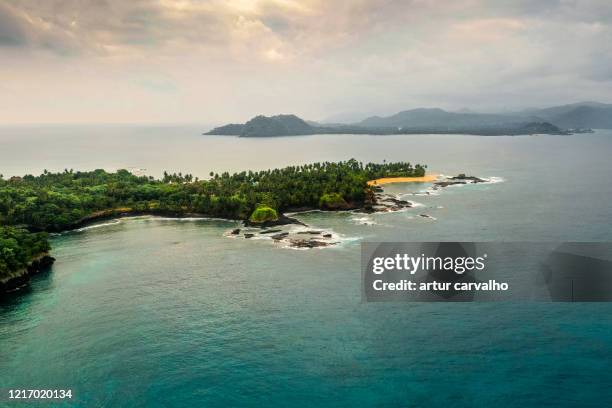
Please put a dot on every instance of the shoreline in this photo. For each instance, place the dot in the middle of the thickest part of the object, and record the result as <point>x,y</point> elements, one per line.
<point>389,180</point>
<point>21,278</point>
<point>118,213</point>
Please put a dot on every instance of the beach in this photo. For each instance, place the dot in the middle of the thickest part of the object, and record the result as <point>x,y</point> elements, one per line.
<point>388,180</point>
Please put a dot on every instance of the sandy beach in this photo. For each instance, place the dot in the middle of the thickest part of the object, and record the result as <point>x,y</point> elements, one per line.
<point>388,180</point>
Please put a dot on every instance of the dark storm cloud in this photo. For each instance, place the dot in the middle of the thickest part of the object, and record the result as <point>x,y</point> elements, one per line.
<point>12,33</point>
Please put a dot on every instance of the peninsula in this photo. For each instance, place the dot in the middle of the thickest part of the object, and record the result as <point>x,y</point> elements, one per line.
<point>31,206</point>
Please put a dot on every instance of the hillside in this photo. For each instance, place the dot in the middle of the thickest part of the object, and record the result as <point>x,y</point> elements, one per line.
<point>579,115</point>
<point>438,118</point>
<point>259,126</point>
<point>409,122</point>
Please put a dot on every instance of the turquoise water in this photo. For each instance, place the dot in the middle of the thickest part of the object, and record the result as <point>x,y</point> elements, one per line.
<point>159,312</point>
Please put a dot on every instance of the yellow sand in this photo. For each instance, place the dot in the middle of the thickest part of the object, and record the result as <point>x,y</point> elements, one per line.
<point>388,180</point>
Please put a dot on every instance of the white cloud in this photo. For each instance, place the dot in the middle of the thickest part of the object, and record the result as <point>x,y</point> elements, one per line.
<point>216,60</point>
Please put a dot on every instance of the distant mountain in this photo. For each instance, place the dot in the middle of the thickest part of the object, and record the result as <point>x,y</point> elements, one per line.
<point>276,126</point>
<point>441,119</point>
<point>432,121</point>
<point>279,125</point>
<point>578,115</point>
<point>233,129</point>
<point>343,117</point>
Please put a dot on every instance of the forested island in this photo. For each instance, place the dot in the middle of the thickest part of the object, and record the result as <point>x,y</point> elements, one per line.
<point>581,117</point>
<point>291,125</point>
<point>31,206</point>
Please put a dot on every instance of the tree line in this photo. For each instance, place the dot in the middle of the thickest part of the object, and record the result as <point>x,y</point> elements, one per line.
<point>54,202</point>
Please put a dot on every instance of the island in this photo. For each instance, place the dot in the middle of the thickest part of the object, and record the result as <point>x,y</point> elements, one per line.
<point>32,206</point>
<point>292,125</point>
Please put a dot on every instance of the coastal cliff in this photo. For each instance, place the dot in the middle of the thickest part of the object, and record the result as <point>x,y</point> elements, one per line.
<point>15,280</point>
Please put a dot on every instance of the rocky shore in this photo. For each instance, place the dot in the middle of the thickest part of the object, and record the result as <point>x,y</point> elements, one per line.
<point>376,200</point>
<point>21,278</point>
<point>281,220</point>
<point>459,179</point>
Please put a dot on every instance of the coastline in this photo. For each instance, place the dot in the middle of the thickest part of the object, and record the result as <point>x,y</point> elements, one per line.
<point>284,218</point>
<point>389,180</point>
<point>21,278</point>
<point>117,213</point>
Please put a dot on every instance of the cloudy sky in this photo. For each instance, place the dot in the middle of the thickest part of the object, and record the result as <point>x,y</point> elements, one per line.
<point>213,61</point>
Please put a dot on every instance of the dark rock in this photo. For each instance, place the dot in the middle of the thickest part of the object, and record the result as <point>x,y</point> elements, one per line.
<point>310,232</point>
<point>282,220</point>
<point>280,236</point>
<point>38,265</point>
<point>462,176</point>
<point>327,235</point>
<point>304,243</point>
<point>272,231</point>
<point>249,235</point>
<point>448,183</point>
<point>235,231</point>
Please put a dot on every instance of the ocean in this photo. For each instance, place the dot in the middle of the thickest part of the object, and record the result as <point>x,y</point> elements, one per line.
<point>175,313</point>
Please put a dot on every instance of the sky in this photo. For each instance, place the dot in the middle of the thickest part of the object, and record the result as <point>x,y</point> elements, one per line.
<point>215,61</point>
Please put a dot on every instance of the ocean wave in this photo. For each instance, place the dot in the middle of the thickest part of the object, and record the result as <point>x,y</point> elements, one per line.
<point>188,219</point>
<point>493,180</point>
<point>428,192</point>
<point>365,220</point>
<point>294,213</point>
<point>294,231</point>
<point>94,226</point>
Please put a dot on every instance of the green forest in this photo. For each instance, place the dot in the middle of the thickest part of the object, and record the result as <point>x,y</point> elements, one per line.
<point>54,202</point>
<point>18,247</point>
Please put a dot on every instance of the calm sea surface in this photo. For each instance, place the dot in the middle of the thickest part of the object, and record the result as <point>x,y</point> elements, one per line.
<point>158,312</point>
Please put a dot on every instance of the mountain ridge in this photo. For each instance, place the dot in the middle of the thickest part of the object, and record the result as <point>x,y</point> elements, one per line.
<point>577,117</point>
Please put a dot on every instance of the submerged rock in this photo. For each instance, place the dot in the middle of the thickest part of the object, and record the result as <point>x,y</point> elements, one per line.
<point>272,231</point>
<point>235,231</point>
<point>448,183</point>
<point>249,235</point>
<point>309,243</point>
<point>387,203</point>
<point>280,236</point>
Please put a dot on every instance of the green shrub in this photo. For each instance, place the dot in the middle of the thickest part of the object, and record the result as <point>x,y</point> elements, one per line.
<point>332,201</point>
<point>263,213</point>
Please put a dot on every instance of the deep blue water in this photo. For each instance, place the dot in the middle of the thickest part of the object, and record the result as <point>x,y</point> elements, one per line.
<point>154,312</point>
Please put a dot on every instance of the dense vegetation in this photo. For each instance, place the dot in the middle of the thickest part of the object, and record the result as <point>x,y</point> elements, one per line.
<point>332,201</point>
<point>18,247</point>
<point>263,213</point>
<point>58,201</point>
